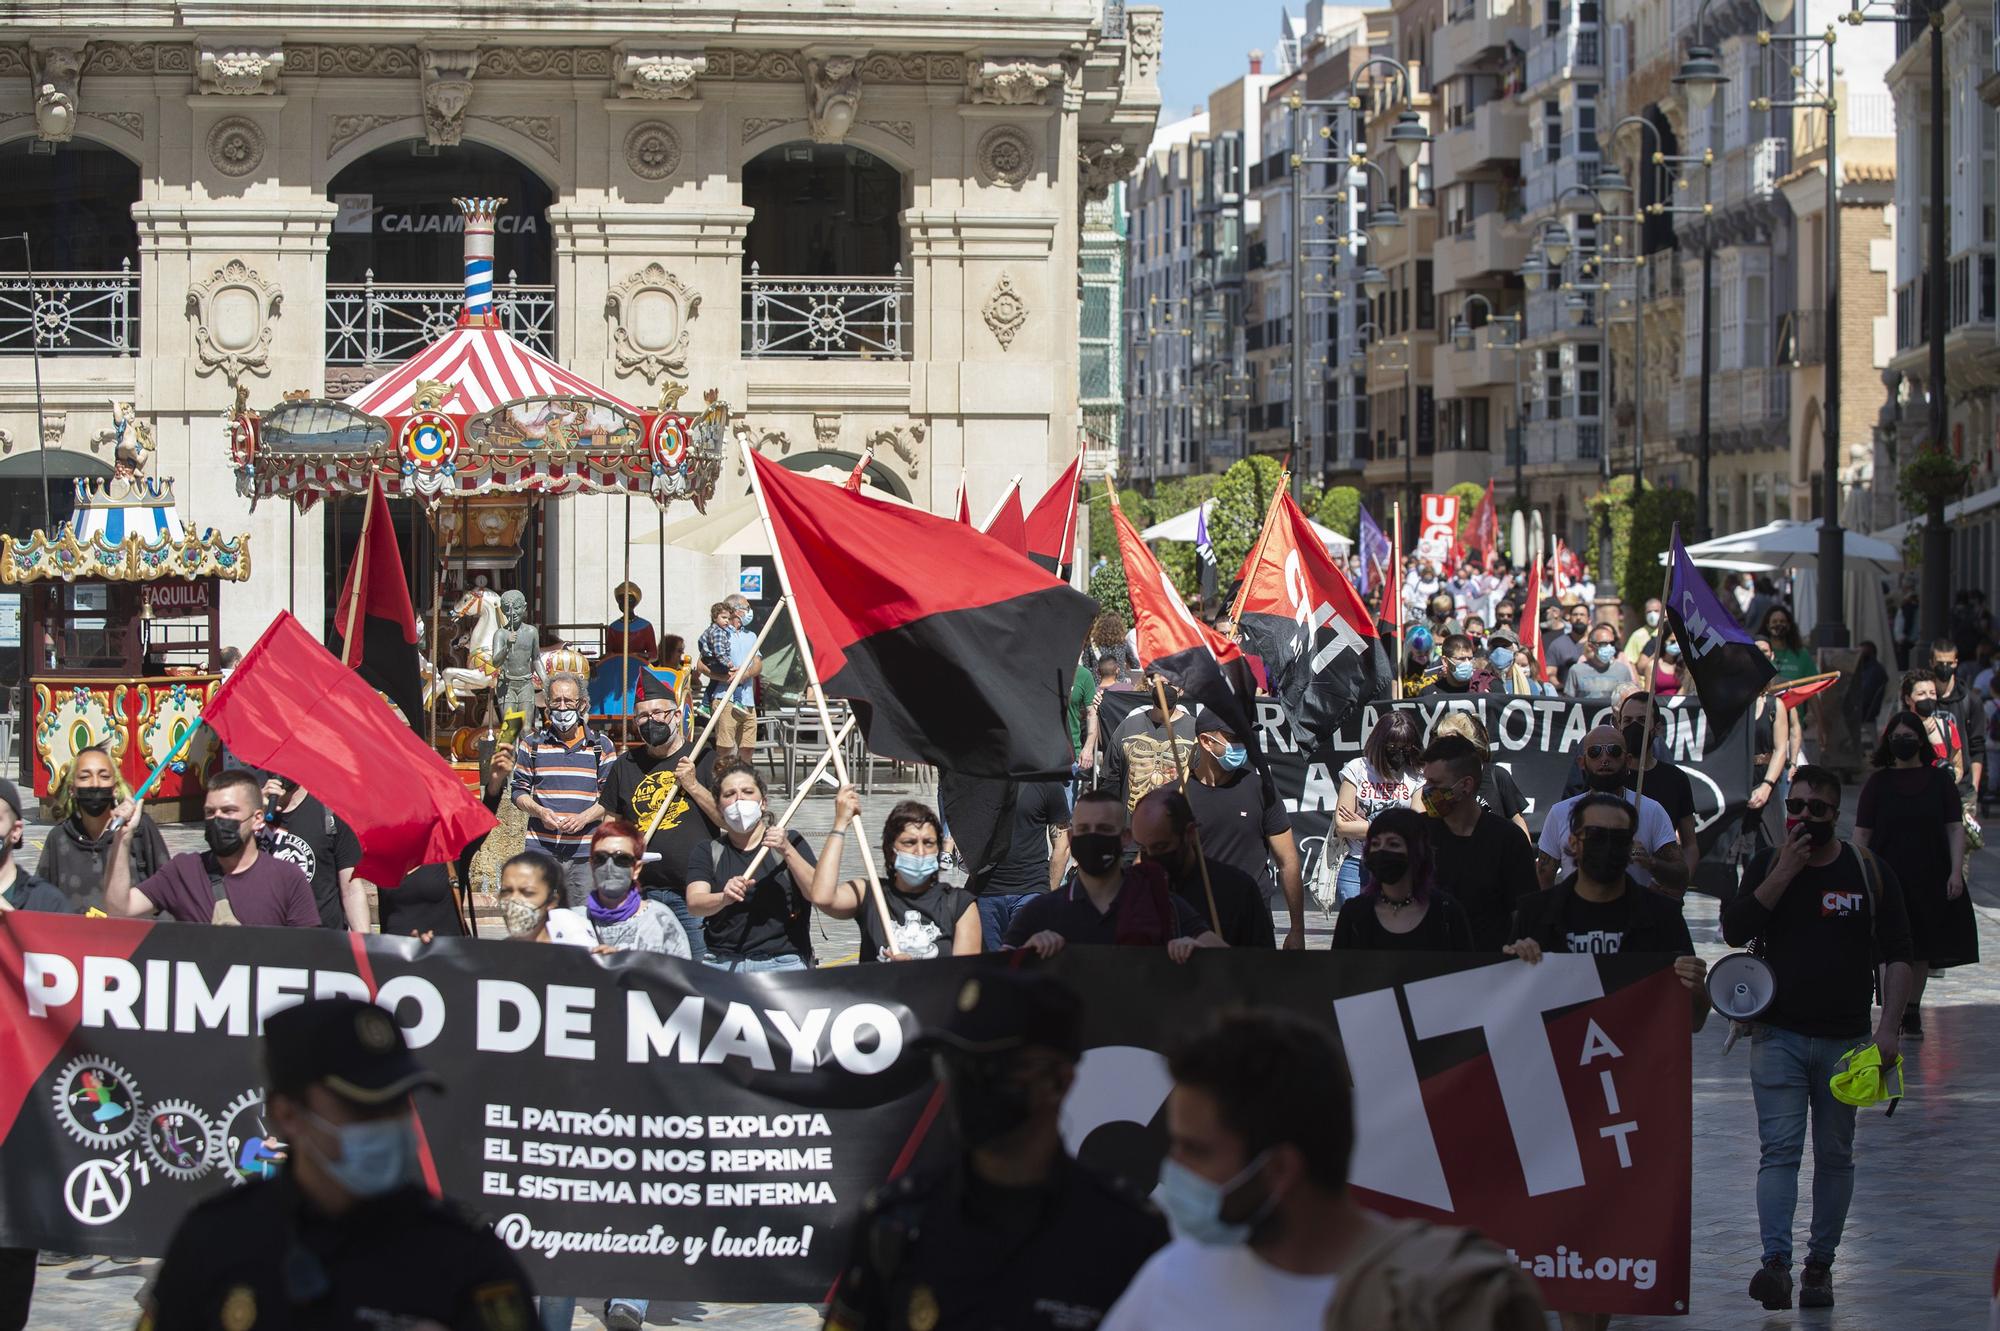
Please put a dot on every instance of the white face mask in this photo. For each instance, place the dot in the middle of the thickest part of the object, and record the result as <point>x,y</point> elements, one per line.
<point>742,815</point>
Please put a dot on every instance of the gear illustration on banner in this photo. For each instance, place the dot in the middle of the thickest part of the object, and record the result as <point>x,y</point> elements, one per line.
<point>180,1139</point>
<point>97,1102</point>
<point>242,1141</point>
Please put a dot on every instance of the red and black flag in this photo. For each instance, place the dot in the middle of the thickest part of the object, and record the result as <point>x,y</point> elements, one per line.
<point>954,650</point>
<point>373,624</point>
<point>1299,612</point>
<point>1005,523</point>
<point>1051,524</point>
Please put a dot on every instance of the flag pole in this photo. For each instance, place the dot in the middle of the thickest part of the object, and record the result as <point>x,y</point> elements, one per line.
<point>791,605</point>
<point>437,654</point>
<point>625,657</point>
<point>1066,544</point>
<point>1180,767</point>
<point>1006,490</point>
<point>1395,589</point>
<point>805,788</point>
<point>1653,678</point>
<point>1263,538</point>
<point>347,644</point>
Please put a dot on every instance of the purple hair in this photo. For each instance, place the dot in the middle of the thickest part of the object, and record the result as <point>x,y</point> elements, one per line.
<point>1414,828</point>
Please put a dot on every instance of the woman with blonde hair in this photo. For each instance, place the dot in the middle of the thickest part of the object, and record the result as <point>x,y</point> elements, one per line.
<point>85,793</point>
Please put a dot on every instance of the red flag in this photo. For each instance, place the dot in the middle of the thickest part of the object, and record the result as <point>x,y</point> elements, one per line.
<point>1811,686</point>
<point>1483,532</point>
<point>1005,523</point>
<point>1051,525</point>
<point>854,478</point>
<point>964,501</point>
<point>954,650</point>
<point>291,708</point>
<point>373,621</point>
<point>1300,614</point>
<point>1531,621</point>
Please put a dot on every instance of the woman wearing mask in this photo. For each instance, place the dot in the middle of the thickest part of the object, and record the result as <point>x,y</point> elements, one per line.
<point>1910,816</point>
<point>1920,695</point>
<point>1507,664</point>
<point>1790,654</point>
<point>1666,668</point>
<point>755,919</point>
<point>616,916</point>
<point>1497,790</point>
<point>1399,907</point>
<point>933,918</point>
<point>73,856</point>
<point>1387,775</point>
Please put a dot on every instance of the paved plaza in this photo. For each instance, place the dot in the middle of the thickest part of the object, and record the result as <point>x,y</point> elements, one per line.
<point>1920,1241</point>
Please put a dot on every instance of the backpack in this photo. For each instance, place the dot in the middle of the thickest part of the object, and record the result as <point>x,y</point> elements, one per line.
<point>1409,1275</point>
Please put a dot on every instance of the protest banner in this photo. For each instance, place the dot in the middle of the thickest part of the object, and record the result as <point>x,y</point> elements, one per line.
<point>1437,533</point>
<point>643,1124</point>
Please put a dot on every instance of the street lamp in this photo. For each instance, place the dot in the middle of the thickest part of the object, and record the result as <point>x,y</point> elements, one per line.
<point>1374,281</point>
<point>1700,76</point>
<point>1534,271</point>
<point>1461,336</point>
<point>1578,307</point>
<point>1408,137</point>
<point>1555,243</point>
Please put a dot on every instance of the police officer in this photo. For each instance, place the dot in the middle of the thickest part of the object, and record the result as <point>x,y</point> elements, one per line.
<point>1018,1236</point>
<point>345,1235</point>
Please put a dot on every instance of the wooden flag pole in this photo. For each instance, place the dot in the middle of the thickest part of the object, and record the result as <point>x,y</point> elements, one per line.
<point>1010,487</point>
<point>1263,538</point>
<point>348,647</point>
<point>625,657</point>
<point>1180,768</point>
<point>1395,589</point>
<point>812,673</point>
<point>1653,684</point>
<point>805,788</point>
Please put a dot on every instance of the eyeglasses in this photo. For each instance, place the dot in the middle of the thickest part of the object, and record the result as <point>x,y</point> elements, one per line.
<point>1816,808</point>
<point>623,859</point>
<point>1604,751</point>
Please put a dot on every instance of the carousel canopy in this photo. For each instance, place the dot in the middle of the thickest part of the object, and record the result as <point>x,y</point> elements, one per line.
<point>126,529</point>
<point>485,368</point>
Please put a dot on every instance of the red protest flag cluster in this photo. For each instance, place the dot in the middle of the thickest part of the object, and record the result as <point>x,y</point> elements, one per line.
<point>376,626</point>
<point>1051,524</point>
<point>1006,524</point>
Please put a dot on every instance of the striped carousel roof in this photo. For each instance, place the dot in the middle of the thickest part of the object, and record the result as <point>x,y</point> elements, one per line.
<point>485,368</point>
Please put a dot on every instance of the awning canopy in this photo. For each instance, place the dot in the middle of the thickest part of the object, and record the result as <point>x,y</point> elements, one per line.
<point>1787,544</point>
<point>1181,527</point>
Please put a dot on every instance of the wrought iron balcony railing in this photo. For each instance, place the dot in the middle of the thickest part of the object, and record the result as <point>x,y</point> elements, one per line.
<point>827,318</point>
<point>70,314</point>
<point>371,323</point>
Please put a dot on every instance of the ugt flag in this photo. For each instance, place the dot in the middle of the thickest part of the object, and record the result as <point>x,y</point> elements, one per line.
<point>1729,672</point>
<point>1374,554</point>
<point>1299,612</point>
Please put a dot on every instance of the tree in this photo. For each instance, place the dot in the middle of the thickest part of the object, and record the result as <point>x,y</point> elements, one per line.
<point>1240,501</point>
<point>1469,497</point>
<point>1641,527</point>
<point>1339,511</point>
<point>1107,587</point>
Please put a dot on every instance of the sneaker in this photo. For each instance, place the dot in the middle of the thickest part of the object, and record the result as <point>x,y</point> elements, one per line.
<point>1772,1285</point>
<point>1816,1286</point>
<point>47,1258</point>
<point>624,1315</point>
<point>1913,1023</point>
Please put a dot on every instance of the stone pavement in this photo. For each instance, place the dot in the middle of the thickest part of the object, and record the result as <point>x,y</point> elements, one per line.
<point>1920,1241</point>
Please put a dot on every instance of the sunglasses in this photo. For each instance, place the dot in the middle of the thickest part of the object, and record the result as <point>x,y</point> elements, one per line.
<point>623,859</point>
<point>1816,808</point>
<point>1604,751</point>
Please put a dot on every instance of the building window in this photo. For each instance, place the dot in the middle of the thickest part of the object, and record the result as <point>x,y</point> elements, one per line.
<point>1426,301</point>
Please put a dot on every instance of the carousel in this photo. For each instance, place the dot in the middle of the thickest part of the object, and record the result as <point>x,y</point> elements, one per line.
<point>119,626</point>
<point>477,428</point>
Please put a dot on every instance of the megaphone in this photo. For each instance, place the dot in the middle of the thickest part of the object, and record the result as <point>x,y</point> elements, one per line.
<point>1741,986</point>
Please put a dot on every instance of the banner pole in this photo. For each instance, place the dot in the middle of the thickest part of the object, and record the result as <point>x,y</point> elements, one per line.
<point>625,657</point>
<point>1653,680</point>
<point>437,649</point>
<point>1180,767</point>
<point>1395,589</point>
<point>1010,488</point>
<point>348,647</point>
<point>1067,544</point>
<point>812,673</point>
<point>805,788</point>
<point>1263,538</point>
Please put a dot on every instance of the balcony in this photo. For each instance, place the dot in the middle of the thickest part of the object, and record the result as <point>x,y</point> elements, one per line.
<point>1750,174</point>
<point>1563,443</point>
<point>1913,314</point>
<point>70,314</point>
<point>1562,54</point>
<point>1478,31</point>
<point>1491,138</point>
<point>1803,339</point>
<point>1464,373</point>
<point>827,318</point>
<point>1970,289</point>
<point>1491,247</point>
<point>379,324</point>
<point>1546,179</point>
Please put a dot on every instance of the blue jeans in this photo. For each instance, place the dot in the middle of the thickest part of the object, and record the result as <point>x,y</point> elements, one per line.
<point>996,912</point>
<point>678,904</point>
<point>1347,878</point>
<point>1788,1076</point>
<point>556,1313</point>
<point>744,965</point>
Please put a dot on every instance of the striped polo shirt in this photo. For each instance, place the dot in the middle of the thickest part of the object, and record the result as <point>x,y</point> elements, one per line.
<point>565,778</point>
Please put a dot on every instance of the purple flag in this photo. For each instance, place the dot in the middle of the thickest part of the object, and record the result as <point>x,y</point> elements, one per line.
<point>1728,671</point>
<point>1374,554</point>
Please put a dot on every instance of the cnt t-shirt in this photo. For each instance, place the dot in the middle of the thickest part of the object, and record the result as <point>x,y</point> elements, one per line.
<point>1199,1286</point>
<point>267,892</point>
<point>314,840</point>
<point>1237,817</point>
<point>773,920</point>
<point>634,789</point>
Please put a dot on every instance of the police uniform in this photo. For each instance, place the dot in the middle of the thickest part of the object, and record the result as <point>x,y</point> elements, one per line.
<point>953,1252</point>
<point>263,1256</point>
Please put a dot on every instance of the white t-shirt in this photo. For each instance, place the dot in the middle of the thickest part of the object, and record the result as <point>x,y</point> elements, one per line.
<point>1656,830</point>
<point>1374,793</point>
<point>1202,1287</point>
<point>651,928</point>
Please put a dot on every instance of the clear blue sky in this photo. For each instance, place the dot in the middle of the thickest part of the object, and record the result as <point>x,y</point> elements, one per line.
<point>1208,43</point>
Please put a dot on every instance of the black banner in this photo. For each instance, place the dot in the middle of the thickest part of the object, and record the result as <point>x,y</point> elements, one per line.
<point>642,1126</point>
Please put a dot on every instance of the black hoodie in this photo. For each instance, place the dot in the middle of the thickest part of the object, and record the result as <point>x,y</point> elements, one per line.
<point>75,863</point>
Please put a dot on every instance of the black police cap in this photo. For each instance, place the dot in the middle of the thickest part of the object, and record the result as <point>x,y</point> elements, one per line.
<point>354,1049</point>
<point>1002,1010</point>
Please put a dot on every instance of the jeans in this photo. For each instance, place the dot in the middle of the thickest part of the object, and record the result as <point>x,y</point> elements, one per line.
<point>745,965</point>
<point>678,903</point>
<point>1347,878</point>
<point>555,1314</point>
<point>576,879</point>
<point>1788,1076</point>
<point>996,912</point>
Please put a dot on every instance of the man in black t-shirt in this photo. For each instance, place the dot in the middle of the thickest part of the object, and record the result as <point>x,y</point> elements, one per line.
<point>1481,858</point>
<point>1162,829</point>
<point>1105,901</point>
<point>1638,721</point>
<point>309,836</point>
<point>641,781</point>
<point>1243,822</point>
<point>1824,915</point>
<point>1030,866</point>
<point>1145,750</point>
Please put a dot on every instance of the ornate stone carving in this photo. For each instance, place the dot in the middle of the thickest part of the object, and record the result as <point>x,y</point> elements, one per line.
<point>541,130</point>
<point>139,58</point>
<point>826,429</point>
<point>545,62</point>
<point>131,438</point>
<point>447,76</point>
<point>55,424</point>
<point>1006,156</point>
<point>902,440</point>
<point>912,67</point>
<point>660,75</point>
<point>57,71</point>
<point>1013,82</point>
<point>354,61</point>
<point>834,87</point>
<point>6,441</point>
<point>1103,163</point>
<point>756,437</point>
<point>240,72</point>
<point>652,150</point>
<point>881,67</point>
<point>754,127</point>
<point>1004,311</point>
<point>343,130</point>
<point>131,122</point>
<point>236,146</point>
<point>1142,47</point>
<point>756,66</point>
<point>232,311</point>
<point>650,313</point>
<point>895,129</point>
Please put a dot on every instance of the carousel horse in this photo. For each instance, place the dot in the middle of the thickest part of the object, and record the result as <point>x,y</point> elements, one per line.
<point>481,605</point>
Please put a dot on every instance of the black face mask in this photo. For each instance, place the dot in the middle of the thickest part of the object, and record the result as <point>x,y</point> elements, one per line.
<point>1387,866</point>
<point>986,1102</point>
<point>655,733</point>
<point>1635,736</point>
<point>224,835</point>
<point>94,800</point>
<point>1603,858</point>
<point>1096,853</point>
<point>1173,861</point>
<point>1609,783</point>
<point>1817,832</point>
<point>1925,706</point>
<point>1903,745</point>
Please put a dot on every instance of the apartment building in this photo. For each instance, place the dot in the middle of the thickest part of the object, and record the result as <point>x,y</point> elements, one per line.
<point>1159,425</point>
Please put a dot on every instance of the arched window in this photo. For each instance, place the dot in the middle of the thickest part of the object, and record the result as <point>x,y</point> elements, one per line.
<point>75,206</point>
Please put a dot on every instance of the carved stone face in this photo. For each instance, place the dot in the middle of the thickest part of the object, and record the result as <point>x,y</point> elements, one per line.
<point>449,100</point>
<point>513,608</point>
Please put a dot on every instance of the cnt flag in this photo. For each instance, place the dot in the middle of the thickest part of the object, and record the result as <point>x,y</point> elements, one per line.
<point>374,621</point>
<point>1052,522</point>
<point>1729,672</point>
<point>1204,553</point>
<point>954,650</point>
<point>1374,554</point>
<point>1298,611</point>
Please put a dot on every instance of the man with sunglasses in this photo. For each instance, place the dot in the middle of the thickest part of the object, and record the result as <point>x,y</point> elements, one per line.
<point>1824,916</point>
<point>1657,861</point>
<point>617,916</point>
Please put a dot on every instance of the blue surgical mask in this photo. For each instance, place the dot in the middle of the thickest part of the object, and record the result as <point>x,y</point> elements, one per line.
<point>1673,647</point>
<point>377,1156</point>
<point>1501,659</point>
<point>1194,1204</point>
<point>1233,758</point>
<point>749,618</point>
<point>1605,651</point>
<point>1461,671</point>
<point>915,869</point>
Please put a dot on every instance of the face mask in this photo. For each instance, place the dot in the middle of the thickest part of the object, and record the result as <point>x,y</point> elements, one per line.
<point>612,882</point>
<point>1605,651</point>
<point>375,1157</point>
<point>1195,1205</point>
<point>1233,758</point>
<point>656,733</point>
<point>1635,736</point>
<point>1652,619</point>
<point>1673,647</point>
<point>1577,630</point>
<point>522,917</point>
<point>1502,659</point>
<point>1461,672</point>
<point>1904,745</point>
<point>1439,800</point>
<point>915,869</point>
<point>1096,853</point>
<point>1925,706</point>
<point>986,1103</point>
<point>1817,833</point>
<point>749,617</point>
<point>1603,858</point>
<point>94,800</point>
<point>1387,866</point>
<point>224,835</point>
<point>563,719</point>
<point>742,815</point>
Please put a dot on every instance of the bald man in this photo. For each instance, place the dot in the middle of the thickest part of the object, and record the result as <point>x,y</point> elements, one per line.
<point>1656,858</point>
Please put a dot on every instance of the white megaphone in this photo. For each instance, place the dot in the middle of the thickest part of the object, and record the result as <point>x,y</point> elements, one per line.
<point>1741,986</point>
